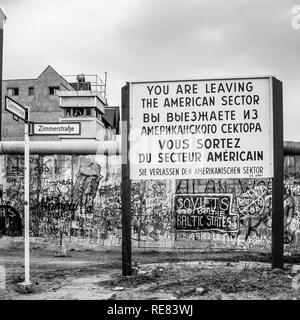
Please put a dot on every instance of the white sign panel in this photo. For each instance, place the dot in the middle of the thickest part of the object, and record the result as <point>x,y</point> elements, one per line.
<point>50,128</point>
<point>15,108</point>
<point>201,129</point>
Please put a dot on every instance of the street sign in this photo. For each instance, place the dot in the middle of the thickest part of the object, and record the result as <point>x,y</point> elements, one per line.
<point>16,109</point>
<point>20,112</point>
<point>56,128</point>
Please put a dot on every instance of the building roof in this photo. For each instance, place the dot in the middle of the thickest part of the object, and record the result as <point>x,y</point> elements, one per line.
<point>48,69</point>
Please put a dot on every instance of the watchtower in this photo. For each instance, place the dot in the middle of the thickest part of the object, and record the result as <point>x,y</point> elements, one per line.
<point>85,104</point>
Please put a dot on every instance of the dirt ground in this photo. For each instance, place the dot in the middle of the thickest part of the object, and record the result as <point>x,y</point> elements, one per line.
<point>96,274</point>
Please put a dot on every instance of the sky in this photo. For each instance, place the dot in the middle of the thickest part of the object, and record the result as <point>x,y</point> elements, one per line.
<point>137,40</point>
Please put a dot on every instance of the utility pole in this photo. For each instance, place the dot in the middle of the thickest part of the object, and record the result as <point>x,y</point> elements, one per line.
<point>2,21</point>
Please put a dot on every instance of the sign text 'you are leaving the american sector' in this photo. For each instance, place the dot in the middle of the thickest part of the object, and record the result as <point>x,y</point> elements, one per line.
<point>201,129</point>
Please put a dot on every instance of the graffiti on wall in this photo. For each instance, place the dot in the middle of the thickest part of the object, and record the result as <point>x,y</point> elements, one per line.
<point>204,212</point>
<point>10,221</point>
<point>250,212</point>
<point>66,197</point>
<point>78,197</point>
<point>152,213</point>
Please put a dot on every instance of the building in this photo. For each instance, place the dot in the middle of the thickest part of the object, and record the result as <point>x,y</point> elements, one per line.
<point>42,96</point>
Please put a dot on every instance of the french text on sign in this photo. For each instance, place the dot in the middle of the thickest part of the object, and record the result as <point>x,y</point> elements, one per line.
<point>59,128</point>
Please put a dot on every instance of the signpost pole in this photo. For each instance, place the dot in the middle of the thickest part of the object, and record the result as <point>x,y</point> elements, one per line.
<point>20,112</point>
<point>27,200</point>
<point>278,187</point>
<point>126,186</point>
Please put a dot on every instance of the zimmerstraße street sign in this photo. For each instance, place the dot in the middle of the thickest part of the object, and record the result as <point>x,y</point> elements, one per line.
<point>56,128</point>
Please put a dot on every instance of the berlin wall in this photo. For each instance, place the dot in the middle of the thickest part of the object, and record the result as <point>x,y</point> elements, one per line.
<point>76,199</point>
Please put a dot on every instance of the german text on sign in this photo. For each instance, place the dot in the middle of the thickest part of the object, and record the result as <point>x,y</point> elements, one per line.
<point>56,128</point>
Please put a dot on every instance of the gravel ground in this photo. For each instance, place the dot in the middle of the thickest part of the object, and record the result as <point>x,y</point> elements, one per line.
<point>96,274</point>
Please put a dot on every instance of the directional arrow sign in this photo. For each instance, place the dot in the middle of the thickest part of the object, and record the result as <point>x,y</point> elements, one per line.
<point>56,128</point>
<point>16,108</point>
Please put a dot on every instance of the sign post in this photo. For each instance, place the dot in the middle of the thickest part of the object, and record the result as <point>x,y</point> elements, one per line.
<point>208,129</point>
<point>278,186</point>
<point>20,112</point>
<point>126,185</point>
<point>27,200</point>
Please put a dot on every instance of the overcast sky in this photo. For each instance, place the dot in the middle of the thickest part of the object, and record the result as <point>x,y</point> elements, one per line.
<point>157,40</point>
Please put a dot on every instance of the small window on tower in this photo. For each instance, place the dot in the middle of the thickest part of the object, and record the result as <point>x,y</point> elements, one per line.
<point>31,91</point>
<point>78,112</point>
<point>88,112</point>
<point>68,112</point>
<point>53,90</point>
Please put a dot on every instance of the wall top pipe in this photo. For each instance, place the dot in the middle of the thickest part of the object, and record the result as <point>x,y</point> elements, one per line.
<point>62,147</point>
<point>92,147</point>
<point>291,148</point>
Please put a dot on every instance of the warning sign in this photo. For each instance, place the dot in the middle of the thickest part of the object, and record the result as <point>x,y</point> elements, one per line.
<point>201,129</point>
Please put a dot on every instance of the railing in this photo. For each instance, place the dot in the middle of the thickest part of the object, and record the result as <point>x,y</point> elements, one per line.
<point>96,83</point>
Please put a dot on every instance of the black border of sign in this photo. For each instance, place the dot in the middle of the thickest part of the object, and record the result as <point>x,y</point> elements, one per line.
<point>126,183</point>
<point>24,108</point>
<point>58,134</point>
<point>204,79</point>
<point>278,185</point>
<point>276,99</point>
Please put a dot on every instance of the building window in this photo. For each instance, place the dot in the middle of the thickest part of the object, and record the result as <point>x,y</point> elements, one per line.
<point>98,115</point>
<point>53,90</point>
<point>31,91</point>
<point>88,112</point>
<point>78,112</point>
<point>68,112</point>
<point>13,91</point>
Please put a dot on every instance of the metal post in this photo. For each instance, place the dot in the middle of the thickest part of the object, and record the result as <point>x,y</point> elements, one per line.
<point>27,199</point>
<point>126,186</point>
<point>2,21</point>
<point>278,186</point>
